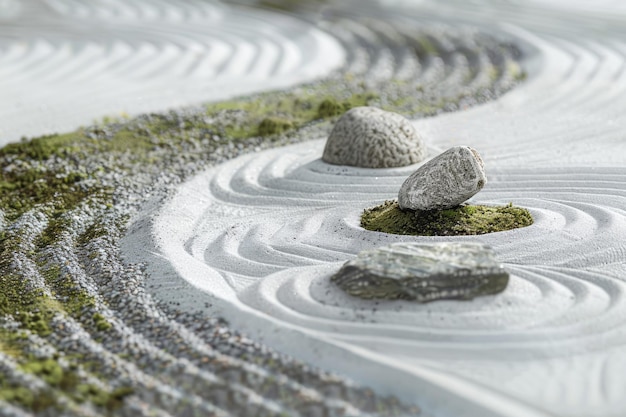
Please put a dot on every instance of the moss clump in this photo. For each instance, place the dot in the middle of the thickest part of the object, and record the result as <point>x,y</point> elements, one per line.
<point>270,113</point>
<point>47,369</point>
<point>21,190</point>
<point>274,125</point>
<point>68,381</point>
<point>109,400</point>
<point>462,220</point>
<point>22,396</point>
<point>31,308</point>
<point>115,399</point>
<point>329,108</point>
<point>42,148</point>
<point>101,322</point>
<point>36,322</point>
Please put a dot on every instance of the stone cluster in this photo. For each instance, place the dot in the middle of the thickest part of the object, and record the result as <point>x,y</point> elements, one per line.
<point>369,137</point>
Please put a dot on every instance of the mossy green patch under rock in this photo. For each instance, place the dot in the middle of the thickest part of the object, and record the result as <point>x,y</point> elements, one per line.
<point>458,221</point>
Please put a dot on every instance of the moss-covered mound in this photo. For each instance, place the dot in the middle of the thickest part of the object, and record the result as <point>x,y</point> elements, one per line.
<point>462,220</point>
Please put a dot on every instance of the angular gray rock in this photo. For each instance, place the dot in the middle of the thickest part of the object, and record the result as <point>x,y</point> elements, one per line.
<point>368,137</point>
<point>423,272</point>
<point>445,181</point>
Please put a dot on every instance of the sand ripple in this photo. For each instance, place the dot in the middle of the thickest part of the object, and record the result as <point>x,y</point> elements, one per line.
<point>256,239</point>
<point>261,234</point>
<point>276,225</point>
<point>66,63</point>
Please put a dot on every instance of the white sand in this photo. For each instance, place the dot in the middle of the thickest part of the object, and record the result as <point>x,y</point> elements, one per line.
<point>256,239</point>
<point>65,63</point>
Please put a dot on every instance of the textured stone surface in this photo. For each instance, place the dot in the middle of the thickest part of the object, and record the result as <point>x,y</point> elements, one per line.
<point>423,272</point>
<point>445,181</point>
<point>372,138</point>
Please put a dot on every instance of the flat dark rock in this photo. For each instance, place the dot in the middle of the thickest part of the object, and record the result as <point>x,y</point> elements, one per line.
<point>423,272</point>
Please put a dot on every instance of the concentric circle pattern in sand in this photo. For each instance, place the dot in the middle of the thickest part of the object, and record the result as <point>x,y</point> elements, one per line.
<point>67,63</point>
<point>256,239</point>
<point>261,235</point>
<point>275,226</point>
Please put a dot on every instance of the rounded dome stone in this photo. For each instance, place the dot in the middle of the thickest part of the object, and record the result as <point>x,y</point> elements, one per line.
<point>369,137</point>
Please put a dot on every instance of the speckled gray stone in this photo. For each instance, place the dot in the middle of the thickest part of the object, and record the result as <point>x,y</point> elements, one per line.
<point>423,272</point>
<point>445,181</point>
<point>372,138</point>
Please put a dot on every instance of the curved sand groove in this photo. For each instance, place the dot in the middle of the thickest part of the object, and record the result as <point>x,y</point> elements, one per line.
<point>295,220</point>
<point>315,207</point>
<point>437,57</point>
<point>262,233</point>
<point>156,9</point>
<point>268,233</point>
<point>114,57</point>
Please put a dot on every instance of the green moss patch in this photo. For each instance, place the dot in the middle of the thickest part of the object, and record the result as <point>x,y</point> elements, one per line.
<point>66,381</point>
<point>41,148</point>
<point>272,113</point>
<point>273,125</point>
<point>458,221</point>
<point>25,398</point>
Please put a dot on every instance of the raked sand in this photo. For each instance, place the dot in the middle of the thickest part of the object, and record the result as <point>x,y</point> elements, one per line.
<point>65,63</point>
<point>258,237</point>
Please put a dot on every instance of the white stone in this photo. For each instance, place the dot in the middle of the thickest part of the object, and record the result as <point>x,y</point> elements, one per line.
<point>368,137</point>
<point>445,181</point>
